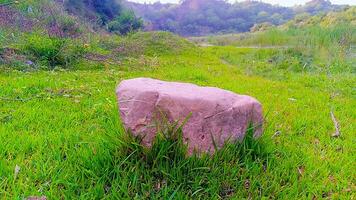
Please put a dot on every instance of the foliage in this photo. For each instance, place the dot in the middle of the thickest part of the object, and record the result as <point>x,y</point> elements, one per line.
<point>330,19</point>
<point>125,23</point>
<point>107,10</point>
<point>204,17</point>
<point>69,18</point>
<point>261,27</point>
<point>111,13</point>
<point>317,6</point>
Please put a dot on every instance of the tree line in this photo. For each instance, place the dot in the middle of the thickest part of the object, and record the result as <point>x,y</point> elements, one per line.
<point>203,17</point>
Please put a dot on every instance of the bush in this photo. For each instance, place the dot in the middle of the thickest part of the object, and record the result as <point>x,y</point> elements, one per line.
<point>53,52</point>
<point>106,10</point>
<point>125,23</point>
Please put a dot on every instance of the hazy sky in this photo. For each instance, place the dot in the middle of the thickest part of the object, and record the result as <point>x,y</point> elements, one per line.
<point>280,2</point>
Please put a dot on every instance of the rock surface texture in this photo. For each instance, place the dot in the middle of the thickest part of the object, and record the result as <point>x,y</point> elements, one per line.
<point>216,115</point>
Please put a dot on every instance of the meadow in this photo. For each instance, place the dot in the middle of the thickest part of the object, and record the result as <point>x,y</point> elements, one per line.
<point>61,136</point>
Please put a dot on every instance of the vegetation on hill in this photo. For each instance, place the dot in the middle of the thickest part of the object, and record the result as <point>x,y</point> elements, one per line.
<point>346,16</point>
<point>33,51</point>
<point>109,13</point>
<point>203,17</point>
<point>44,35</point>
<point>103,11</point>
<point>66,17</point>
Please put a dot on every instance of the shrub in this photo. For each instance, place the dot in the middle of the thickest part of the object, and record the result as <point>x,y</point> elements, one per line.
<point>125,23</point>
<point>261,27</point>
<point>53,52</point>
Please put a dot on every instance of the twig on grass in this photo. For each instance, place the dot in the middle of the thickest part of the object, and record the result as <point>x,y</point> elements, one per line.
<point>50,95</point>
<point>336,125</point>
<point>15,99</point>
<point>277,133</point>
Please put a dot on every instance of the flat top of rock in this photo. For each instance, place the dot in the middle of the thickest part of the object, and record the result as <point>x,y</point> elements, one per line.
<point>182,90</point>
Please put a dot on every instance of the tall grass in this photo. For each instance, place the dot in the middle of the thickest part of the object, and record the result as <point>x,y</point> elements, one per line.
<point>313,37</point>
<point>2,37</point>
<point>167,167</point>
<point>328,47</point>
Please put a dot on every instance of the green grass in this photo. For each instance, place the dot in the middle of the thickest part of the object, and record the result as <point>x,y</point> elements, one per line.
<point>63,130</point>
<point>61,136</point>
<point>314,36</point>
<point>322,46</point>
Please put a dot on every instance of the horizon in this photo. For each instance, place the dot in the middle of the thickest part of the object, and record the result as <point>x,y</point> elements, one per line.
<point>273,2</point>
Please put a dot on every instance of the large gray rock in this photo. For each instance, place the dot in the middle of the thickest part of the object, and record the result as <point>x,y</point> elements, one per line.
<point>216,115</point>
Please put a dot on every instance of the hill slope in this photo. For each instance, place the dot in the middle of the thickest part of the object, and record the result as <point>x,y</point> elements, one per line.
<point>44,34</point>
<point>107,15</point>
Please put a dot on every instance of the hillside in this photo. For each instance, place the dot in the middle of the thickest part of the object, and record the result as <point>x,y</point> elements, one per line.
<point>69,18</point>
<point>204,17</point>
<point>46,35</point>
<point>61,136</point>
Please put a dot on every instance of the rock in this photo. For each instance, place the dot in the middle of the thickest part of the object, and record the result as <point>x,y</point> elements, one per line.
<point>216,115</point>
<point>29,63</point>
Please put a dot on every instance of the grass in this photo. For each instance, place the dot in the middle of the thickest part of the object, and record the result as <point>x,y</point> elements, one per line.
<point>313,36</point>
<point>62,129</point>
<point>328,46</point>
<point>61,136</point>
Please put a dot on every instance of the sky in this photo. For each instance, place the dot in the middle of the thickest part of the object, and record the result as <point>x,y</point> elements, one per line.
<point>280,2</point>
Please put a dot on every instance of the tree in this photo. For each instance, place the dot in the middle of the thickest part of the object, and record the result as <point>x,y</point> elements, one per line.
<point>107,9</point>
<point>126,22</point>
<point>199,17</point>
<point>110,13</point>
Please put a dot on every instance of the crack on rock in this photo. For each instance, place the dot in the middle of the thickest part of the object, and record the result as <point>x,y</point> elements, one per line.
<point>133,100</point>
<point>219,113</point>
